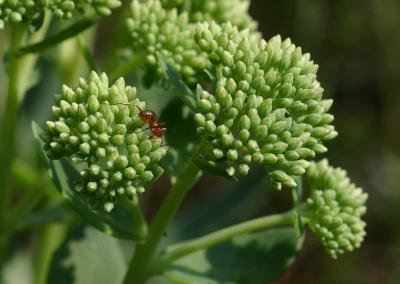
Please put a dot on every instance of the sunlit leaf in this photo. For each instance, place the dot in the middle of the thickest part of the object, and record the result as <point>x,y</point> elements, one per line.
<point>256,258</point>
<point>87,256</point>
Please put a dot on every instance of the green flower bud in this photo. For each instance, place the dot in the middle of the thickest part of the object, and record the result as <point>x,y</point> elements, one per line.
<point>334,209</point>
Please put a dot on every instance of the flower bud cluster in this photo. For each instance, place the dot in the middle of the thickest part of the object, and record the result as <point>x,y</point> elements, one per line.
<point>220,11</point>
<point>99,126</point>
<point>165,35</point>
<point>335,208</point>
<point>264,106</point>
<point>27,11</point>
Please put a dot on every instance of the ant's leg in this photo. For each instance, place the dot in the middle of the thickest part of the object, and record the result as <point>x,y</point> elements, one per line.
<point>124,104</point>
<point>144,129</point>
<point>166,145</point>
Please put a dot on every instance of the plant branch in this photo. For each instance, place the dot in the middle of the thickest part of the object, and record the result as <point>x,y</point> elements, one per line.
<point>185,248</point>
<point>138,267</point>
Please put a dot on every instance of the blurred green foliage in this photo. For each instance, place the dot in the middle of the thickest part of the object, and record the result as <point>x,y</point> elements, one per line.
<point>356,44</point>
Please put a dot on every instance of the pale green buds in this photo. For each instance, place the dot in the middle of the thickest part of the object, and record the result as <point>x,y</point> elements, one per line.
<point>106,137</point>
<point>266,97</point>
<point>334,209</point>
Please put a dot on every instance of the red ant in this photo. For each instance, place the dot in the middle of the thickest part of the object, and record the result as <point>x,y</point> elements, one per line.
<point>150,117</point>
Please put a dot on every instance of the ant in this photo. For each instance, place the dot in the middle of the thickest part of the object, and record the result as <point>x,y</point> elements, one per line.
<point>150,117</point>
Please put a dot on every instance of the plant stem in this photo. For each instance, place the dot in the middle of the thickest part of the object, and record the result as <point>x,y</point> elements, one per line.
<point>8,122</point>
<point>182,249</point>
<point>144,253</point>
<point>17,85</point>
<point>140,228</point>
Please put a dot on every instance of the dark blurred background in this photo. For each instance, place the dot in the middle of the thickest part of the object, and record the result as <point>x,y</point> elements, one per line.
<point>357,46</point>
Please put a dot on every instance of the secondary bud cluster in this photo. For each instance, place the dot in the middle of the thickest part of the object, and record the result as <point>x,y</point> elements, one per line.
<point>264,106</point>
<point>99,126</point>
<point>220,11</point>
<point>27,11</point>
<point>334,209</point>
<point>165,35</point>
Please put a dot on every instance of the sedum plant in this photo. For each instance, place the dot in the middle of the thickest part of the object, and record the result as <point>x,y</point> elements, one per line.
<point>239,103</point>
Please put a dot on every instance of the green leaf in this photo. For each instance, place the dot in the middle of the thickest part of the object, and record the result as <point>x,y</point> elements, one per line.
<point>251,192</point>
<point>56,213</point>
<point>255,258</point>
<point>181,136</point>
<point>86,256</point>
<point>69,32</point>
<point>218,170</point>
<point>119,223</point>
<point>181,89</point>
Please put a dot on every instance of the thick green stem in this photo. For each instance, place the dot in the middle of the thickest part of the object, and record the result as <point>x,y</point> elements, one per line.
<point>8,122</point>
<point>188,247</point>
<point>138,268</point>
<point>17,85</point>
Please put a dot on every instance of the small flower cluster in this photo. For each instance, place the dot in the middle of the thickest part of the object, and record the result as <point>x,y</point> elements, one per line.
<point>165,35</point>
<point>99,126</point>
<point>27,11</point>
<point>265,104</point>
<point>335,208</point>
<point>220,11</point>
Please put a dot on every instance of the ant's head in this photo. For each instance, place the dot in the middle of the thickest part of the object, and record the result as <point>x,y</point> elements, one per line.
<point>148,116</point>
